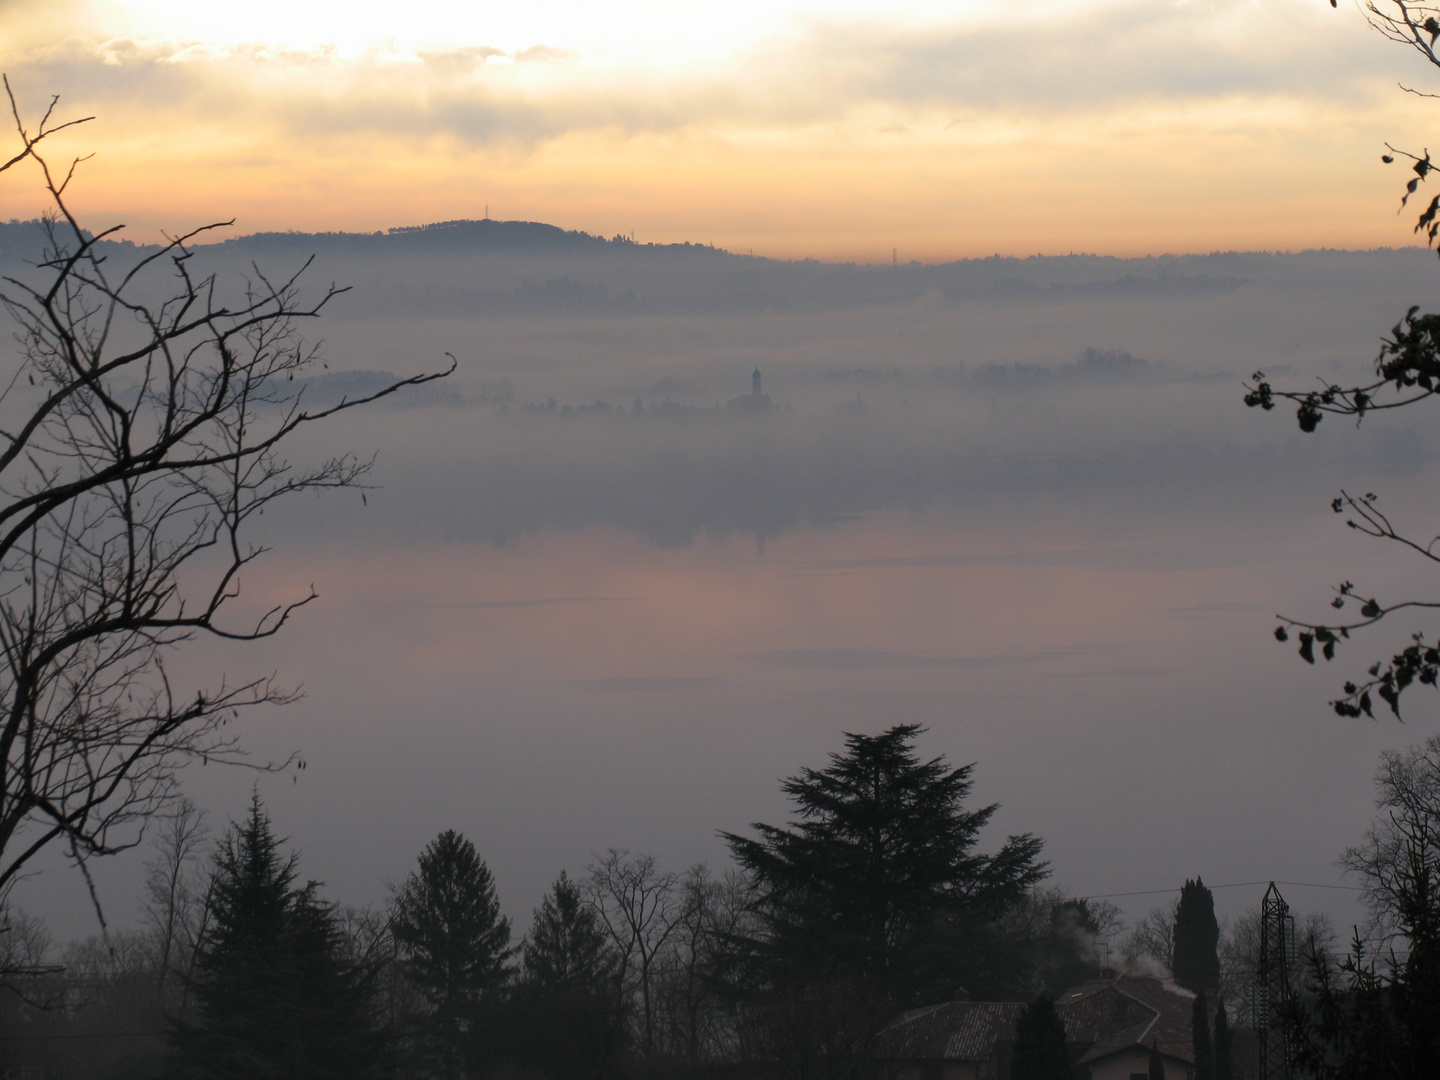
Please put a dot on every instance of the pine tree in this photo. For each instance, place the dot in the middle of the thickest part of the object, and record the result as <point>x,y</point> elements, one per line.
<point>1040,1051</point>
<point>276,995</point>
<point>1203,1051</point>
<point>454,944</point>
<point>567,948</point>
<point>1197,939</point>
<point>568,1002</point>
<point>1224,1051</point>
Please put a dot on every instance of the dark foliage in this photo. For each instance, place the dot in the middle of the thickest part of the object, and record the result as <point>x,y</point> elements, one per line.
<point>1040,1051</point>
<point>277,995</point>
<point>1067,954</point>
<point>1200,1040</point>
<point>1197,939</point>
<point>1156,1070</point>
<point>454,945</point>
<point>1223,1045</point>
<point>569,1022</point>
<point>878,884</point>
<point>1347,1025</point>
<point>1374,1016</point>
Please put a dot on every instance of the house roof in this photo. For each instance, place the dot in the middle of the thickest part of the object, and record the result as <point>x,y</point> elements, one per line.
<point>1105,1017</point>
<point>1160,1015</point>
<point>955,1031</point>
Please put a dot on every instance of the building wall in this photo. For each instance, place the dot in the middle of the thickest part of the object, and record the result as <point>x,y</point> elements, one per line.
<point>949,1070</point>
<point>1134,1061</point>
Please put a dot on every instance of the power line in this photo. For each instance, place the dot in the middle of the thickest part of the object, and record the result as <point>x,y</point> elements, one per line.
<point>1229,885</point>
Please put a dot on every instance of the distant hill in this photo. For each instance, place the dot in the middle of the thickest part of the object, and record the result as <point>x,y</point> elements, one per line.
<point>26,239</point>
<point>456,237</point>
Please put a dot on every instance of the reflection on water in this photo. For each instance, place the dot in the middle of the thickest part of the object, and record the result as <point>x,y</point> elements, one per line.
<point>1111,672</point>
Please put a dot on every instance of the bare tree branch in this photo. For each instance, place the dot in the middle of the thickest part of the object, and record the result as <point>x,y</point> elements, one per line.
<point>141,438</point>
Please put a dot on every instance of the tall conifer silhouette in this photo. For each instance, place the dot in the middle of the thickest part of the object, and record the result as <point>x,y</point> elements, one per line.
<point>1197,939</point>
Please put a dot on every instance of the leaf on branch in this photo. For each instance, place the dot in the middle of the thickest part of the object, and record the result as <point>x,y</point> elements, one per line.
<point>1307,648</point>
<point>1371,610</point>
<point>1388,695</point>
<point>1280,634</point>
<point>1428,217</point>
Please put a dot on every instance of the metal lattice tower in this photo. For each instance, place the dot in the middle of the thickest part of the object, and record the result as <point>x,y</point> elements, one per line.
<point>1272,984</point>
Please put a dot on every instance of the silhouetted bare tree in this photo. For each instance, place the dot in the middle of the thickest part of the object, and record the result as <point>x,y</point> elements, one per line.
<point>1373,1014</point>
<point>640,906</point>
<point>139,440</point>
<point>174,905</point>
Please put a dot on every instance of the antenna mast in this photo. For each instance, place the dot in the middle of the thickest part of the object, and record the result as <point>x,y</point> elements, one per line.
<point>1272,985</point>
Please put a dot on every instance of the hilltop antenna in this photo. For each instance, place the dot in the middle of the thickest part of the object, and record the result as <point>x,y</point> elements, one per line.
<point>894,256</point>
<point>487,211</point>
<point>1272,984</point>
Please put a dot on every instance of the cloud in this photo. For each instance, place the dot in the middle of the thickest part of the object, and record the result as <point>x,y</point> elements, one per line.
<point>456,63</point>
<point>863,659</point>
<point>622,685</point>
<point>545,54</point>
<point>1117,57</point>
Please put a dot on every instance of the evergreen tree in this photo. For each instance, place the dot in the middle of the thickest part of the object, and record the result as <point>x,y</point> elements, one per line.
<point>878,884</point>
<point>1040,1051</point>
<point>454,944</point>
<point>568,1003</point>
<point>277,997</point>
<point>567,948</point>
<point>1197,939</point>
<point>1224,1050</point>
<point>1157,1063</point>
<point>1203,1050</point>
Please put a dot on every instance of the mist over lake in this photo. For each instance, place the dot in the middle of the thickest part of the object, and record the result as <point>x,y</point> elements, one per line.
<point>1016,500</point>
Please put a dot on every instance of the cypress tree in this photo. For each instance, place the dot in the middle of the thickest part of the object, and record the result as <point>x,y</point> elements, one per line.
<point>1203,1052</point>
<point>1157,1063</point>
<point>1197,939</point>
<point>1040,1051</point>
<point>1224,1053</point>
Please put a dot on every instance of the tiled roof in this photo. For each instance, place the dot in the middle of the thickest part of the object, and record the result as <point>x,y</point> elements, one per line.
<point>1168,1004</point>
<point>1104,1017</point>
<point>956,1031</point>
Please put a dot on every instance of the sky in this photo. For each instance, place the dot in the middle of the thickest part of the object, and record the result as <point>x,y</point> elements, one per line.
<point>562,632</point>
<point>842,130</point>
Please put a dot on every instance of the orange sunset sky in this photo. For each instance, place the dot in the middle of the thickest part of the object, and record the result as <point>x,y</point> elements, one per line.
<point>835,129</point>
